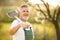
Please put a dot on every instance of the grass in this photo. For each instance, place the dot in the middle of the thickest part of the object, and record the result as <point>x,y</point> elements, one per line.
<point>4,35</point>
<point>46,30</point>
<point>41,31</point>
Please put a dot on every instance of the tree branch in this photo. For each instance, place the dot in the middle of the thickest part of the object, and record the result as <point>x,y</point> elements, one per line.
<point>47,7</point>
<point>54,15</point>
<point>58,13</point>
<point>41,11</point>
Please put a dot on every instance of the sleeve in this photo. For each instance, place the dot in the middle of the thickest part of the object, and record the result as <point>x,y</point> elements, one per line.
<point>14,23</point>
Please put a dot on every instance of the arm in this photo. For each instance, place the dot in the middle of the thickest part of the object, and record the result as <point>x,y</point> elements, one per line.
<point>15,26</point>
<point>14,30</point>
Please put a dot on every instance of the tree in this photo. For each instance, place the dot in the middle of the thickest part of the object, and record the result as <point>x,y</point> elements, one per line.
<point>11,2</point>
<point>52,18</point>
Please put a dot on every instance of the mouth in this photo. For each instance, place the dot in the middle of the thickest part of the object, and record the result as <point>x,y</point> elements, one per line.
<point>25,17</point>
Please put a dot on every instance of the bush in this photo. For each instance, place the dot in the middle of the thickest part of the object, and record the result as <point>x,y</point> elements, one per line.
<point>5,18</point>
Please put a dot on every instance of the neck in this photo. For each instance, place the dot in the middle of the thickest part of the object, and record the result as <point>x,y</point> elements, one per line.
<point>23,20</point>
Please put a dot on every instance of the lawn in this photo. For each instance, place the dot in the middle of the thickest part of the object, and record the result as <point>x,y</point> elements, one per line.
<point>41,31</point>
<point>4,29</point>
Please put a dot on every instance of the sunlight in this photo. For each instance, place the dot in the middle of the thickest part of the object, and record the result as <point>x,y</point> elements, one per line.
<point>35,1</point>
<point>50,2</point>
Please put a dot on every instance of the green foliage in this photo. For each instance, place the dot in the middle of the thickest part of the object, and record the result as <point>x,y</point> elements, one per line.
<point>5,18</point>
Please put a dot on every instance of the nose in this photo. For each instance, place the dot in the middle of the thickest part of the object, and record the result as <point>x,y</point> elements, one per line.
<point>26,14</point>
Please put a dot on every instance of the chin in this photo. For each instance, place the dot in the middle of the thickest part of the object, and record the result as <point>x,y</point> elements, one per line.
<point>25,19</point>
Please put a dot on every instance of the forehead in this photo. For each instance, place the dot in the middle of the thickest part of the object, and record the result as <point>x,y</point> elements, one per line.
<point>24,8</point>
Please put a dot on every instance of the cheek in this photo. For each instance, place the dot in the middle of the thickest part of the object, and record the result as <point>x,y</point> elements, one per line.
<point>21,15</point>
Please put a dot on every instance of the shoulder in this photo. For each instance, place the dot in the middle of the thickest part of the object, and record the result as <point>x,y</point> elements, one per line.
<point>15,22</point>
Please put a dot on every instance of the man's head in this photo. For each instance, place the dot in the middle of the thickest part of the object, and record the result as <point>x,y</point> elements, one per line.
<point>24,12</point>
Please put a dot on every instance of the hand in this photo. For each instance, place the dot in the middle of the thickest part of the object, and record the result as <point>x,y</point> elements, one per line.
<point>25,26</point>
<point>19,25</point>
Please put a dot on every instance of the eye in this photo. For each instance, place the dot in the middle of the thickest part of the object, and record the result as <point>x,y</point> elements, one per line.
<point>27,11</point>
<point>24,11</point>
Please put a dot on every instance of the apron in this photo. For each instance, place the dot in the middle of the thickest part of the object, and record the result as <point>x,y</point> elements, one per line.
<point>28,34</point>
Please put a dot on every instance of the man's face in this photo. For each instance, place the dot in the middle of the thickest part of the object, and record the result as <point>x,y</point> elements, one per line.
<point>24,13</point>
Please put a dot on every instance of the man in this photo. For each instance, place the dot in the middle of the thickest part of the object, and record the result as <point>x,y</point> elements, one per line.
<point>22,30</point>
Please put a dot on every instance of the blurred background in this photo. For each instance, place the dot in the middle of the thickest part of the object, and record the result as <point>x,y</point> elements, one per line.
<point>44,17</point>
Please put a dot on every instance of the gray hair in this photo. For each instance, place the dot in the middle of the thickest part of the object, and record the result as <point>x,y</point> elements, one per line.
<point>19,9</point>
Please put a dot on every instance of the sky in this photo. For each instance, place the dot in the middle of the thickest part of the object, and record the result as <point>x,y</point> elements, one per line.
<point>50,2</point>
